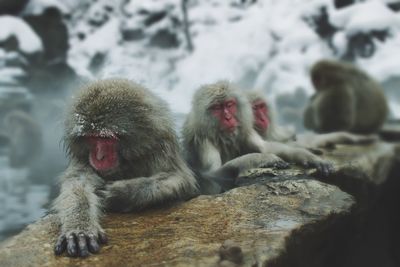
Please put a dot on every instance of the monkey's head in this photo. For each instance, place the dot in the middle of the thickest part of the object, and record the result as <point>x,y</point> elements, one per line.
<point>112,121</point>
<point>261,111</point>
<point>327,74</point>
<point>219,107</point>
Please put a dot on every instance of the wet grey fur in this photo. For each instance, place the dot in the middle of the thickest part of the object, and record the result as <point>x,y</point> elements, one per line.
<point>151,170</point>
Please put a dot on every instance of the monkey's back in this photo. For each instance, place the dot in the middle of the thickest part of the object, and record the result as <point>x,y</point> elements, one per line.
<point>370,106</point>
<point>346,99</point>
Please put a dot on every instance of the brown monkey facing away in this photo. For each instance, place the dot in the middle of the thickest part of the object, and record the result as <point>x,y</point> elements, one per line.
<point>267,128</point>
<point>346,99</point>
<point>124,156</point>
<point>219,128</point>
<point>25,138</point>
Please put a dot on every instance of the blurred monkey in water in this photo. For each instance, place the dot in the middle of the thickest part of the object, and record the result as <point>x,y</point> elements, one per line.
<point>219,128</point>
<point>124,156</point>
<point>25,138</point>
<point>265,125</point>
<point>346,99</point>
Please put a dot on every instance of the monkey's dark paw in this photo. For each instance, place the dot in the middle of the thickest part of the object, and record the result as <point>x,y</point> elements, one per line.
<point>280,164</point>
<point>273,161</point>
<point>323,167</point>
<point>79,243</point>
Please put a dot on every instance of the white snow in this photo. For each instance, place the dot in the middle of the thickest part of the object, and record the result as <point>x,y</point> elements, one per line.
<point>103,41</point>
<point>10,75</point>
<point>28,41</point>
<point>364,17</point>
<point>37,7</point>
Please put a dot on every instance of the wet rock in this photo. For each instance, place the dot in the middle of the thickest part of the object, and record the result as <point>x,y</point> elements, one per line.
<point>12,7</point>
<point>164,39</point>
<point>52,31</point>
<point>247,226</point>
<point>132,34</point>
<point>391,131</point>
<point>359,170</point>
<point>369,173</point>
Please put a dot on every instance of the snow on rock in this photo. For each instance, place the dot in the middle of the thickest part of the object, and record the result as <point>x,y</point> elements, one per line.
<point>384,64</point>
<point>269,45</point>
<point>365,17</point>
<point>103,41</point>
<point>37,7</point>
<point>28,41</point>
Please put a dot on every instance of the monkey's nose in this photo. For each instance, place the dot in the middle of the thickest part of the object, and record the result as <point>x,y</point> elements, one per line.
<point>100,156</point>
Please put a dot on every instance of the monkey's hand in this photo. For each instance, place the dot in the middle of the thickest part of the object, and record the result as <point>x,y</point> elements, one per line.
<point>255,160</point>
<point>273,161</point>
<point>309,160</point>
<point>78,243</point>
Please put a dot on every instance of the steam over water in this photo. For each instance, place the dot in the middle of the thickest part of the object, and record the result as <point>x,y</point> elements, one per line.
<point>21,202</point>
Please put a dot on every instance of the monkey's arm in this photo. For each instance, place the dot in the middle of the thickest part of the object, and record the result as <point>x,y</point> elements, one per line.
<point>329,140</point>
<point>225,177</point>
<point>210,158</point>
<point>79,209</point>
<point>142,192</point>
<point>292,154</point>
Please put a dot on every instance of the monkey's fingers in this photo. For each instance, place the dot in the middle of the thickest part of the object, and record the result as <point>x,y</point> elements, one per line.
<point>315,151</point>
<point>369,139</point>
<point>103,238</point>
<point>325,168</point>
<point>305,163</point>
<point>83,246</point>
<point>60,245</point>
<point>93,243</point>
<point>281,164</point>
<point>72,249</point>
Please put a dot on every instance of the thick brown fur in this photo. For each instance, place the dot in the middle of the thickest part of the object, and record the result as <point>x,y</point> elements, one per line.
<point>346,99</point>
<point>207,148</point>
<point>151,170</point>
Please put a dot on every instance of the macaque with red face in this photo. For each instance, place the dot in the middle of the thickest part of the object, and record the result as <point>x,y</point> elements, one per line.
<point>264,121</point>
<point>266,127</point>
<point>261,116</point>
<point>219,129</point>
<point>225,112</point>
<point>124,156</point>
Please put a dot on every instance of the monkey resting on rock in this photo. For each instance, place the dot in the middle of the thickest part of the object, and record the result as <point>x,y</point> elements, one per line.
<point>124,156</point>
<point>346,99</point>
<point>219,128</point>
<point>265,125</point>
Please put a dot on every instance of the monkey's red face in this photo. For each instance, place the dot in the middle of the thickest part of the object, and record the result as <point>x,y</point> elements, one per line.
<point>103,154</point>
<point>225,112</point>
<point>260,113</point>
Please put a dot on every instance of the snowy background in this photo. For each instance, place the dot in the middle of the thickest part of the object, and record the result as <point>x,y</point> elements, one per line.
<point>50,47</point>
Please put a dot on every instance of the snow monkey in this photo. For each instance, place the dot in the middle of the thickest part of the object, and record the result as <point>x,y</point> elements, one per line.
<point>346,99</point>
<point>124,156</point>
<point>264,120</point>
<point>219,128</point>
<point>267,128</point>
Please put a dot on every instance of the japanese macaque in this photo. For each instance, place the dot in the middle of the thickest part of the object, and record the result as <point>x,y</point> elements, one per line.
<point>267,128</point>
<point>346,99</point>
<point>219,128</point>
<point>124,156</point>
<point>25,138</point>
<point>264,119</point>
